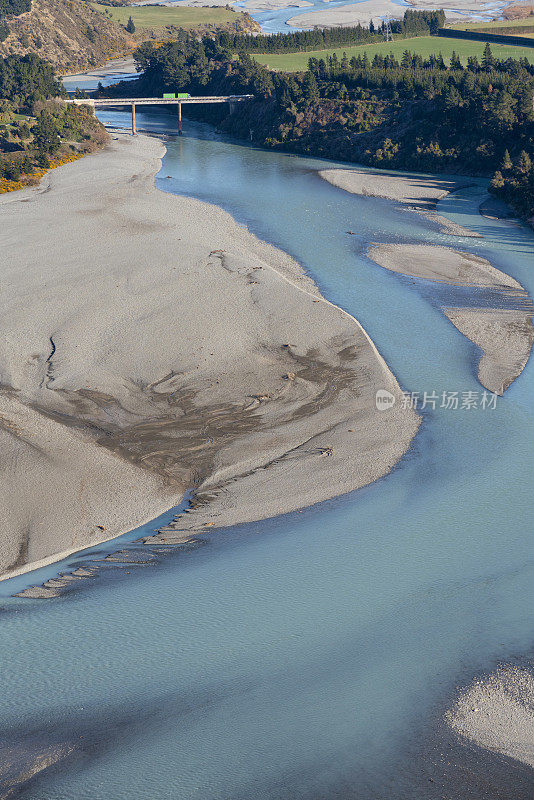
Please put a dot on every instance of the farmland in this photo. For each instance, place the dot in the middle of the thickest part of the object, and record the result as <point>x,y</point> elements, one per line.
<point>423,45</point>
<point>165,16</point>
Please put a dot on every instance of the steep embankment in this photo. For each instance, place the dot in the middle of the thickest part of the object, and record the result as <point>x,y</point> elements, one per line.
<point>68,33</point>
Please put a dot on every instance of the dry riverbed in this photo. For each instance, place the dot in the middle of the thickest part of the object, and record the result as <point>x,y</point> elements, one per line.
<point>362,13</point>
<point>118,68</point>
<point>151,344</point>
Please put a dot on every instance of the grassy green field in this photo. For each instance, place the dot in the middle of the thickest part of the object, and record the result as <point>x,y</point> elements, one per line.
<point>424,45</point>
<point>162,16</point>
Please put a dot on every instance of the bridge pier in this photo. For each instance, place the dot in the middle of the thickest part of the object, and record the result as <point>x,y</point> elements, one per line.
<point>124,102</point>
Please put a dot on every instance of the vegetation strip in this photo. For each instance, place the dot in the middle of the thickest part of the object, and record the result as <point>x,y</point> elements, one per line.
<point>414,23</point>
<point>37,130</point>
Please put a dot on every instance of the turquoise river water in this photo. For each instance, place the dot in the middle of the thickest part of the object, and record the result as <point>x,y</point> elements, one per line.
<point>308,656</point>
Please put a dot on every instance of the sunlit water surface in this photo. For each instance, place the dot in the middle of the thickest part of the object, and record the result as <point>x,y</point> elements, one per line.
<point>287,658</point>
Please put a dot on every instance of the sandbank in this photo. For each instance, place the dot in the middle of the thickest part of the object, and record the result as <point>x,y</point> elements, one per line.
<point>421,192</point>
<point>505,336</point>
<point>118,68</point>
<point>21,763</point>
<point>351,14</point>
<point>273,5</point>
<point>487,10</point>
<point>497,713</point>
<point>151,344</point>
<point>417,192</point>
<point>442,264</point>
<point>190,3</point>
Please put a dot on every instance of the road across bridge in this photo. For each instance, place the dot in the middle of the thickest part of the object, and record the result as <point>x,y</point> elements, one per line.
<point>158,101</point>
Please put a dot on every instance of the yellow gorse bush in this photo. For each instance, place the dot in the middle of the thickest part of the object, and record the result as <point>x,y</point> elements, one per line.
<point>29,180</point>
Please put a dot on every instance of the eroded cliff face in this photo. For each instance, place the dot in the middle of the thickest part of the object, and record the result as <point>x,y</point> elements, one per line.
<point>68,33</point>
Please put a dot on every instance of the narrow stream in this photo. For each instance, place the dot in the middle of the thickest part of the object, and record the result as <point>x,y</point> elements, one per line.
<point>306,656</point>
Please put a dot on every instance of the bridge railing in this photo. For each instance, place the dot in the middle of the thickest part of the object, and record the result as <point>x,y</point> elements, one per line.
<point>158,101</point>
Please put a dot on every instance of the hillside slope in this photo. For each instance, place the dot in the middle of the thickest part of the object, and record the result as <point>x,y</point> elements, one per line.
<point>68,33</point>
<point>73,35</point>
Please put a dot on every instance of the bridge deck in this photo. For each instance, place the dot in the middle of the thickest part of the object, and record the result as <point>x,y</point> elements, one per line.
<point>158,101</point>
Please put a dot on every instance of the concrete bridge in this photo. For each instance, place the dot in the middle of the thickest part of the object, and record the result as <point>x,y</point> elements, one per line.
<point>158,101</point>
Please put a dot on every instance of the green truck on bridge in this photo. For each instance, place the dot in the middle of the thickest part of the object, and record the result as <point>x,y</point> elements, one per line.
<point>176,96</point>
